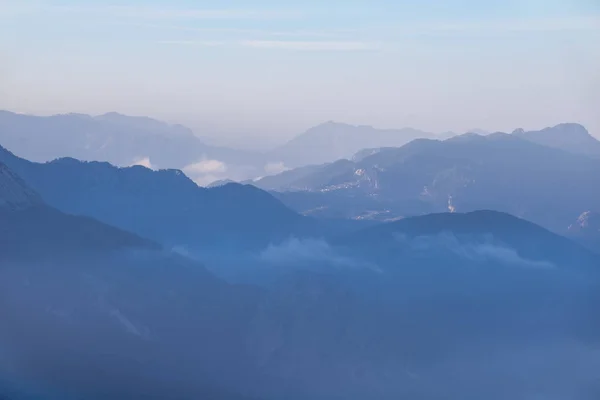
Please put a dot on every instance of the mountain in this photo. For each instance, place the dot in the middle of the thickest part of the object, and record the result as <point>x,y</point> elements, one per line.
<point>106,300</point>
<point>30,228</point>
<point>446,306</point>
<point>164,205</point>
<point>221,182</point>
<point>571,137</point>
<point>468,172</point>
<point>332,141</point>
<point>393,308</point>
<point>586,230</point>
<point>121,140</point>
<point>485,228</point>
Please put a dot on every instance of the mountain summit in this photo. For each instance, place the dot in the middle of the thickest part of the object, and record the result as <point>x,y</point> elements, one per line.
<point>568,136</point>
<point>331,141</point>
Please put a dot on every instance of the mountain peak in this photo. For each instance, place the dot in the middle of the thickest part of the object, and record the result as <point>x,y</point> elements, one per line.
<point>330,125</point>
<point>572,137</point>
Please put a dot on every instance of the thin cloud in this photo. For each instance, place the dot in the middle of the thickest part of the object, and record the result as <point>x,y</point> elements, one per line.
<point>168,13</point>
<point>310,45</point>
<point>522,25</point>
<point>175,13</point>
<point>246,32</point>
<point>205,43</point>
<point>206,166</point>
<point>487,26</point>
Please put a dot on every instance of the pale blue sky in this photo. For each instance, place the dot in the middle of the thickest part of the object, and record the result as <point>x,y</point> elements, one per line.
<point>277,67</point>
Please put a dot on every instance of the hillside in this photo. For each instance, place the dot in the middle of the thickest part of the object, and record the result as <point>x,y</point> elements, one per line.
<point>31,229</point>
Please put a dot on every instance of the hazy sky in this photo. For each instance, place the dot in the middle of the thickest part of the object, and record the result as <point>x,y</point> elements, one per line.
<point>273,68</point>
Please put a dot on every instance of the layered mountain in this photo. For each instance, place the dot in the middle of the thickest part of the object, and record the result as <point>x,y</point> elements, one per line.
<point>121,140</point>
<point>331,141</point>
<point>571,137</point>
<point>164,205</point>
<point>382,313</point>
<point>30,228</point>
<point>468,172</point>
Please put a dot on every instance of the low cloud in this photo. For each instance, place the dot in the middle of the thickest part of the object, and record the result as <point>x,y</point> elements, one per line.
<point>307,252</point>
<point>206,167</point>
<point>206,171</point>
<point>486,250</point>
<point>144,162</point>
<point>275,168</point>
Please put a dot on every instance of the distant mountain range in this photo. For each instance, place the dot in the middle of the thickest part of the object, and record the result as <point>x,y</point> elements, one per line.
<point>468,172</point>
<point>571,137</point>
<point>121,140</point>
<point>126,140</point>
<point>332,141</point>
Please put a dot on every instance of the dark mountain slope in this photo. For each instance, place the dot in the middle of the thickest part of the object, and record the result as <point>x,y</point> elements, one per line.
<point>30,228</point>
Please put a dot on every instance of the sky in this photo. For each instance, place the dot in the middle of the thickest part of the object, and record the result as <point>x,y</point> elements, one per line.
<point>258,71</point>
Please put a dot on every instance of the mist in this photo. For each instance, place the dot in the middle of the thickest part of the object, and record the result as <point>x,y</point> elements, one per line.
<point>155,323</point>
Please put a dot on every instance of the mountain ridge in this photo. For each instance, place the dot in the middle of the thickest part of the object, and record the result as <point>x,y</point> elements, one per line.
<point>572,137</point>
<point>547,185</point>
<point>165,205</point>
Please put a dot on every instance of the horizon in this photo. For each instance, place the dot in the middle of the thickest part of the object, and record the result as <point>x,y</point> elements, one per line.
<point>265,72</point>
<point>260,144</point>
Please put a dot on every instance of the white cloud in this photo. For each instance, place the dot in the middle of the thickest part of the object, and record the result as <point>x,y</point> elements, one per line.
<point>275,168</point>
<point>206,167</point>
<point>307,252</point>
<point>311,45</point>
<point>487,250</point>
<point>144,162</point>
<point>206,171</point>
